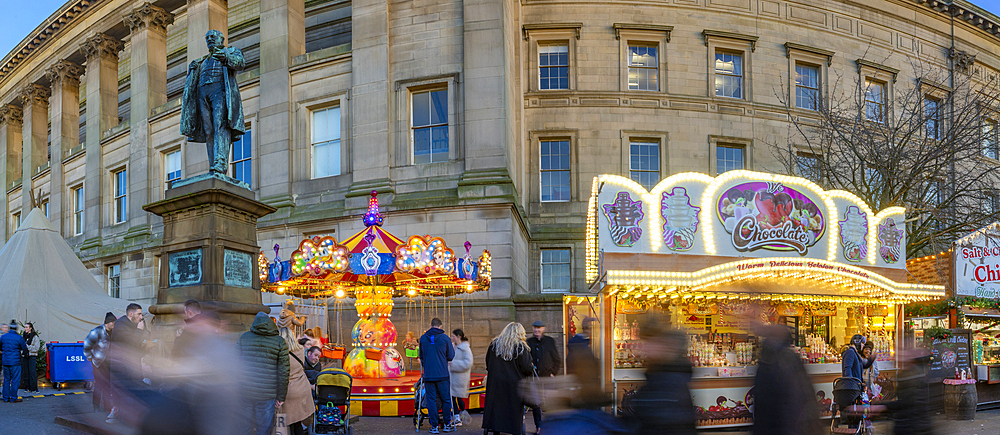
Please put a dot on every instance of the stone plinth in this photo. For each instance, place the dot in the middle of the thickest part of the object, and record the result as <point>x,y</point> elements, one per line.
<point>209,252</point>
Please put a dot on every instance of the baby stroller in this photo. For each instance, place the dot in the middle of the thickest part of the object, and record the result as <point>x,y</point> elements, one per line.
<point>419,404</point>
<point>333,402</point>
<point>847,392</point>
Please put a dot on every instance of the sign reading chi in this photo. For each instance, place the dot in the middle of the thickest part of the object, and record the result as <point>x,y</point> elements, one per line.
<point>745,214</point>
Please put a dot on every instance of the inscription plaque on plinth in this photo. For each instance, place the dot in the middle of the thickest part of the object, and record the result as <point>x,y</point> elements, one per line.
<point>185,268</point>
<point>238,269</point>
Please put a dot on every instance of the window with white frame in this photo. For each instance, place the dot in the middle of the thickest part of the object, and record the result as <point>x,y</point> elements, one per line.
<point>991,204</point>
<point>15,221</point>
<point>45,208</point>
<point>120,189</point>
<point>326,142</point>
<point>553,66</point>
<point>556,270</point>
<point>807,86</point>
<point>644,163</point>
<point>242,159</point>
<point>729,157</point>
<point>78,202</point>
<point>808,166</point>
<point>554,170</point>
<point>429,111</point>
<point>643,67</point>
<point>728,74</point>
<point>989,140</point>
<point>115,280</point>
<point>874,100</point>
<point>932,118</point>
<point>172,166</point>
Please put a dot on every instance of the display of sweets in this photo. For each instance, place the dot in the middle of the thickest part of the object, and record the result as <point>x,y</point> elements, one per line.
<point>883,346</point>
<point>629,355</point>
<point>744,353</point>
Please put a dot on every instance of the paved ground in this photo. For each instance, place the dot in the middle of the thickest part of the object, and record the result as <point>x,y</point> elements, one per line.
<point>37,416</point>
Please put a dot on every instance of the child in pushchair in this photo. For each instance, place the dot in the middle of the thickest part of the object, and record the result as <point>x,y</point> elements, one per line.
<point>848,392</point>
<point>333,402</point>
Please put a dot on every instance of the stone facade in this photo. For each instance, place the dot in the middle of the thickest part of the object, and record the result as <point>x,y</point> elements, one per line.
<point>119,57</point>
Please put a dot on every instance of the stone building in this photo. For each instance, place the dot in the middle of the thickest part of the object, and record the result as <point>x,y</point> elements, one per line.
<point>478,120</point>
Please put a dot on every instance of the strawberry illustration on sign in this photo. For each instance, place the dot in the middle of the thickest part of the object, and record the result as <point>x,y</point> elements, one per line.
<point>623,217</point>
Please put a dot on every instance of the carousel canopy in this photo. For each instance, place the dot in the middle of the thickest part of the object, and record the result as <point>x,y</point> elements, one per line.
<point>44,282</point>
<point>421,265</point>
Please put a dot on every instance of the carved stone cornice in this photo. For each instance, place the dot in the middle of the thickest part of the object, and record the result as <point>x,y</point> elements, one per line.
<point>963,59</point>
<point>102,45</point>
<point>150,17</point>
<point>11,114</point>
<point>35,93</point>
<point>64,72</point>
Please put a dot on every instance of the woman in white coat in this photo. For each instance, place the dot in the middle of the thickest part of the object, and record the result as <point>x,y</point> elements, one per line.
<point>461,371</point>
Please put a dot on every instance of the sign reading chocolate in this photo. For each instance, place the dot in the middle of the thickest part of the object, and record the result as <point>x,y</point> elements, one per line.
<point>769,215</point>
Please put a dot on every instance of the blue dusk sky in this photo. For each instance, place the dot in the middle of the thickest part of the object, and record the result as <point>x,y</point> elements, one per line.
<point>16,22</point>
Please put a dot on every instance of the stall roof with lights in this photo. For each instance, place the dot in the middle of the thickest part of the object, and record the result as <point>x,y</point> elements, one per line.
<point>745,233</point>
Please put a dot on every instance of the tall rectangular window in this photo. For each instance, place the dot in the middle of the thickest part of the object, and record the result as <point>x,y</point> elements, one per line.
<point>553,66</point>
<point>326,142</point>
<point>991,204</point>
<point>78,202</point>
<point>121,196</point>
<point>556,270</point>
<point>874,101</point>
<point>555,170</point>
<point>430,126</point>
<point>242,167</point>
<point>115,280</point>
<point>172,166</point>
<point>808,166</point>
<point>45,208</point>
<point>643,68</point>
<point>729,158</point>
<point>806,87</point>
<point>989,140</point>
<point>728,74</point>
<point>932,118</point>
<point>15,221</point>
<point>644,163</point>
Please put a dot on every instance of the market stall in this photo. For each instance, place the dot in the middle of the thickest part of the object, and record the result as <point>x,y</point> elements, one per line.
<point>718,256</point>
<point>976,273</point>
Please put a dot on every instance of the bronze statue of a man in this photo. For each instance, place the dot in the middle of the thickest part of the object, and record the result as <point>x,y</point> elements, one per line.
<point>212,110</point>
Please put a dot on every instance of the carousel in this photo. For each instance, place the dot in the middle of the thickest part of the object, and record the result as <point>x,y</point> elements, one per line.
<point>376,268</point>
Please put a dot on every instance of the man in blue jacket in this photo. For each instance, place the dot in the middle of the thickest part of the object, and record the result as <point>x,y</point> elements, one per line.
<point>435,352</point>
<point>11,346</point>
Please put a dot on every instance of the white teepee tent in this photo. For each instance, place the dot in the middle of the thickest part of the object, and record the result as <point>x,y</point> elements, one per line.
<point>43,281</point>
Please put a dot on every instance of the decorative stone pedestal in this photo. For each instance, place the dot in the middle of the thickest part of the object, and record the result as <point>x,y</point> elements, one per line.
<point>209,252</point>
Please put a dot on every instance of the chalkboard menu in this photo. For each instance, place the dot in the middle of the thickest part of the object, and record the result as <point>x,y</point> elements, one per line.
<point>948,354</point>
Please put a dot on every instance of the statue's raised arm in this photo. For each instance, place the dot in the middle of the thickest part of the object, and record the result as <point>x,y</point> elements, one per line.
<point>211,109</point>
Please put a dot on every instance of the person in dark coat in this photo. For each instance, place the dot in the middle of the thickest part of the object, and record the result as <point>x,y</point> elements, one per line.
<point>265,359</point>
<point>125,358</point>
<point>545,357</point>
<point>11,346</point>
<point>435,352</point>
<point>784,400</point>
<point>581,363</point>
<point>508,361</point>
<point>312,364</point>
<point>852,363</point>
<point>29,367</point>
<point>663,406</point>
<point>584,422</point>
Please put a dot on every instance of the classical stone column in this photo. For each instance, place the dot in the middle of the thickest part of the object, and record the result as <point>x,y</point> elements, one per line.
<point>64,77</point>
<point>148,62</point>
<point>35,143</point>
<point>10,161</point>
<point>488,128</point>
<point>370,102</point>
<point>282,37</point>
<point>202,16</point>
<point>102,113</point>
